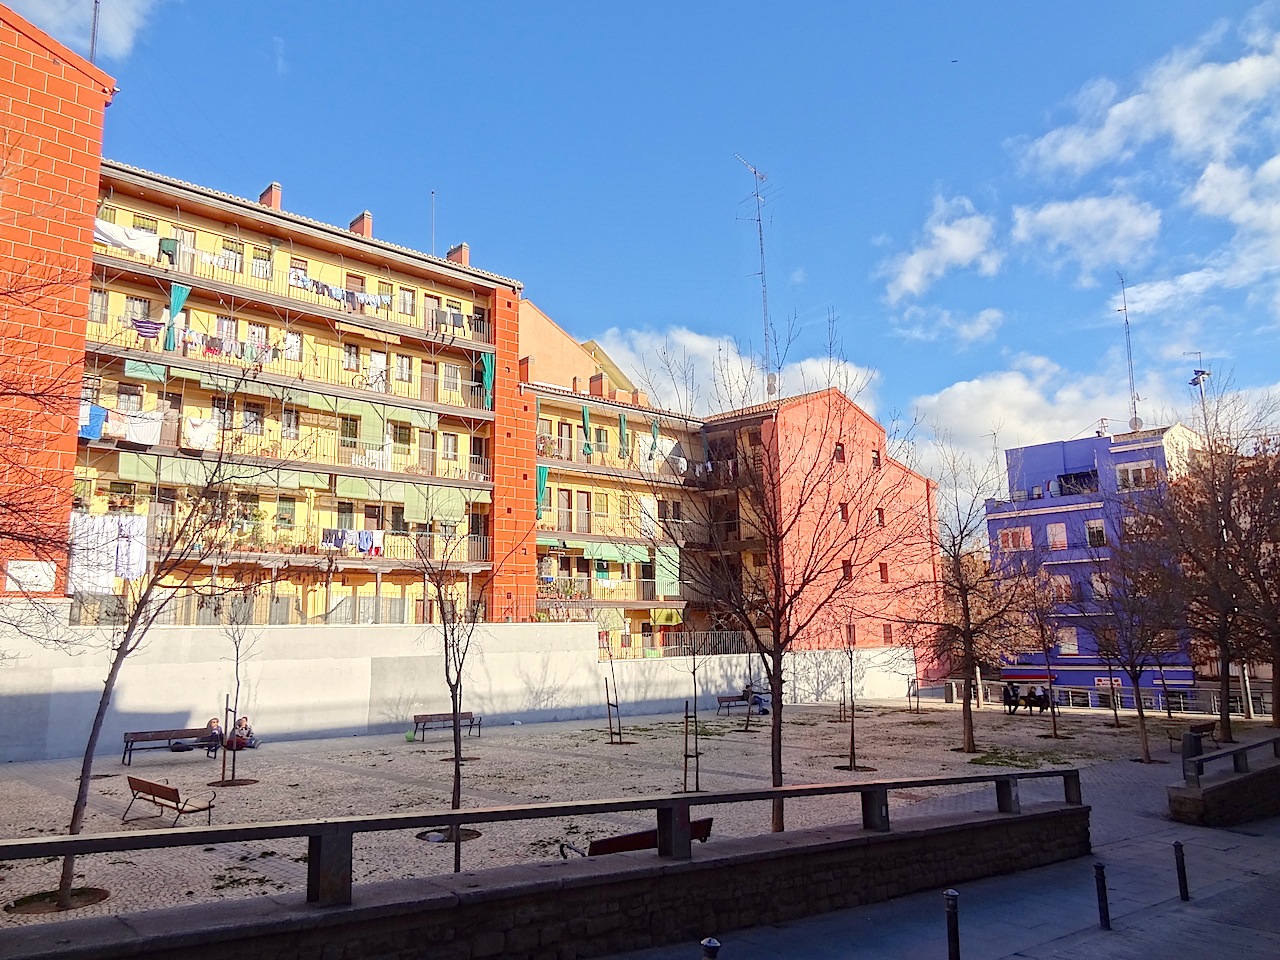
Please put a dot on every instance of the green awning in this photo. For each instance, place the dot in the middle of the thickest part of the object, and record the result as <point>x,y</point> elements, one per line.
<point>633,553</point>
<point>602,551</point>
<point>139,370</point>
<point>312,481</point>
<point>586,431</point>
<point>479,496</point>
<point>666,618</point>
<point>486,378</point>
<point>416,503</point>
<point>236,386</point>
<point>610,618</point>
<point>542,487</point>
<point>423,419</point>
<point>136,468</point>
<point>184,374</point>
<point>447,504</point>
<point>548,541</point>
<point>622,436</point>
<point>667,563</point>
<point>356,488</point>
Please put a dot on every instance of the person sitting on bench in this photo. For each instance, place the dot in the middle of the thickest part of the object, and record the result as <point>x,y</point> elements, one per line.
<point>242,736</point>
<point>212,738</point>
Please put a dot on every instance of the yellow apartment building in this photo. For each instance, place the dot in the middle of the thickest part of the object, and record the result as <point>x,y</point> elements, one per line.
<point>349,388</point>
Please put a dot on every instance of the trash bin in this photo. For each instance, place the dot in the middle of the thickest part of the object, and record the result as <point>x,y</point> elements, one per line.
<point>949,692</point>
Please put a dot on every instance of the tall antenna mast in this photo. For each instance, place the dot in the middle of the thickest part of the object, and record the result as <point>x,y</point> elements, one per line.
<point>433,223</point>
<point>770,381</point>
<point>93,36</point>
<point>1135,422</point>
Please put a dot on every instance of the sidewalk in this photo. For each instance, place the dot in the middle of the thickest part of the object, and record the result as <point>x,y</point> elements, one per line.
<point>1052,913</point>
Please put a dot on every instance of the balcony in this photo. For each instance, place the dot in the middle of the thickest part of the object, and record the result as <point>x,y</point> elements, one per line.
<point>298,365</point>
<point>272,279</point>
<point>576,590</point>
<point>709,643</point>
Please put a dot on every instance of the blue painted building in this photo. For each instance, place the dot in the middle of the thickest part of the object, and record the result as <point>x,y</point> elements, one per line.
<point>1062,514</point>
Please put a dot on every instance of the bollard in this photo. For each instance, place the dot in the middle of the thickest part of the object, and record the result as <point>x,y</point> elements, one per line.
<point>1104,909</point>
<point>1181,861</point>
<point>953,923</point>
<point>710,947</point>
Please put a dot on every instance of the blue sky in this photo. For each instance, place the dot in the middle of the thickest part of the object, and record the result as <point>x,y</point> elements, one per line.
<point>959,184</point>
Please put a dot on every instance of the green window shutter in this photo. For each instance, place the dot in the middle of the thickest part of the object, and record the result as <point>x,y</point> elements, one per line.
<point>622,436</point>
<point>542,487</point>
<point>586,431</point>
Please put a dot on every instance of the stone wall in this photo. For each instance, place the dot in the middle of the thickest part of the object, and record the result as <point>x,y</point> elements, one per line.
<point>1239,798</point>
<point>557,910</point>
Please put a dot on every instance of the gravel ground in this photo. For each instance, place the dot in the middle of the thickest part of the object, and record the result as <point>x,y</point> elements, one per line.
<point>517,764</point>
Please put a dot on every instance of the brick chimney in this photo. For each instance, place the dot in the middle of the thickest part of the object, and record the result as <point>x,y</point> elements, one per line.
<point>526,369</point>
<point>600,386</point>
<point>576,385</point>
<point>459,253</point>
<point>271,196</point>
<point>639,398</point>
<point>363,225</point>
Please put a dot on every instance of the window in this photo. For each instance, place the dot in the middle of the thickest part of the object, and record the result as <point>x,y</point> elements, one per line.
<point>129,397</point>
<point>348,432</point>
<point>1057,536</point>
<point>1068,641</point>
<point>401,437</point>
<point>451,374</point>
<point>624,506</point>
<point>404,368</point>
<point>97,306</point>
<point>1015,538</point>
<point>584,512</point>
<point>1095,533</point>
<point>844,512</point>
<point>879,516</point>
<point>386,296</point>
<point>544,427</point>
<point>406,302</point>
<point>224,411</point>
<point>846,569</point>
<point>564,512</point>
<point>1062,589</point>
<point>137,308</point>
<point>355,283</point>
<point>254,414</point>
<point>602,440</point>
<point>233,255</point>
<point>884,573</point>
<point>838,456</point>
<point>398,523</point>
<point>228,328</point>
<point>262,263</point>
<point>90,389</point>
<point>888,633</point>
<point>297,270</point>
<point>1134,476</point>
<point>120,497</point>
<point>449,446</point>
<point>1101,586</point>
<point>346,515</point>
<point>351,356</point>
<point>258,333</point>
<point>546,500</point>
<point>293,346</point>
<point>145,224</point>
<point>669,510</point>
<point>875,459</point>
<point>289,423</point>
<point>286,512</point>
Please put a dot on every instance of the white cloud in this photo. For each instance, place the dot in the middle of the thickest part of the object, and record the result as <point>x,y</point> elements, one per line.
<point>955,236</point>
<point>1094,232</point>
<point>71,22</point>
<point>691,372</point>
<point>1204,109</point>
<point>935,323</point>
<point>282,64</point>
<point>798,275</point>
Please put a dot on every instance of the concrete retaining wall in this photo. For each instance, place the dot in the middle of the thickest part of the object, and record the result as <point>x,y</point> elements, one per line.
<point>329,681</point>
<point>585,908</point>
<point>1238,798</point>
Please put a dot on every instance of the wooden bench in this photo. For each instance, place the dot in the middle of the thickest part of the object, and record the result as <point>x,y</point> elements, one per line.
<point>422,722</point>
<point>699,830</point>
<point>167,798</point>
<point>167,740</point>
<point>731,700</point>
<point>1208,729</point>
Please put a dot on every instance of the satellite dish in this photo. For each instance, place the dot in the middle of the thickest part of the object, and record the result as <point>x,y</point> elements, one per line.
<point>1135,423</point>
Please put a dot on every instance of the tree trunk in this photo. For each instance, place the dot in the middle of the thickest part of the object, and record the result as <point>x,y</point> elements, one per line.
<point>853,707</point>
<point>1053,705</point>
<point>977,685</point>
<point>1246,694</point>
<point>778,821</point>
<point>966,715</point>
<point>1143,739</point>
<point>455,696</point>
<point>1224,692</point>
<point>1111,693</point>
<point>86,771</point>
<point>1275,681</point>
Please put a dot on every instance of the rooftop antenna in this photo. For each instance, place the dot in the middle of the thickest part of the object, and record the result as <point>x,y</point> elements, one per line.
<point>93,35</point>
<point>433,223</point>
<point>1135,422</point>
<point>770,379</point>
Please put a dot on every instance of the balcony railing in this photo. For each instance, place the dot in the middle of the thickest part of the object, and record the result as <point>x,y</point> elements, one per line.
<point>676,643</point>
<point>302,366</point>
<point>598,589</point>
<point>270,277</point>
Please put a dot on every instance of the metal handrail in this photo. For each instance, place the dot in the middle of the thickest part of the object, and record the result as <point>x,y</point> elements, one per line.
<point>329,850</point>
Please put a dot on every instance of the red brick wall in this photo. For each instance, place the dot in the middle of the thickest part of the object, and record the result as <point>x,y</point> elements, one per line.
<point>51,106</point>
<point>514,481</point>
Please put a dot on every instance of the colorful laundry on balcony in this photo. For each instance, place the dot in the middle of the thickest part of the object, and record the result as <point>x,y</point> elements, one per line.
<point>143,428</point>
<point>148,329</point>
<point>200,433</point>
<point>92,419</point>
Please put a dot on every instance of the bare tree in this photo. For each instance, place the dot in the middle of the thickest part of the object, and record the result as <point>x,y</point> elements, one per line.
<point>967,613</point>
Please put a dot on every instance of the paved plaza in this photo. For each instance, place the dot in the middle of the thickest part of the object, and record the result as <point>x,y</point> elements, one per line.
<point>1049,912</point>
